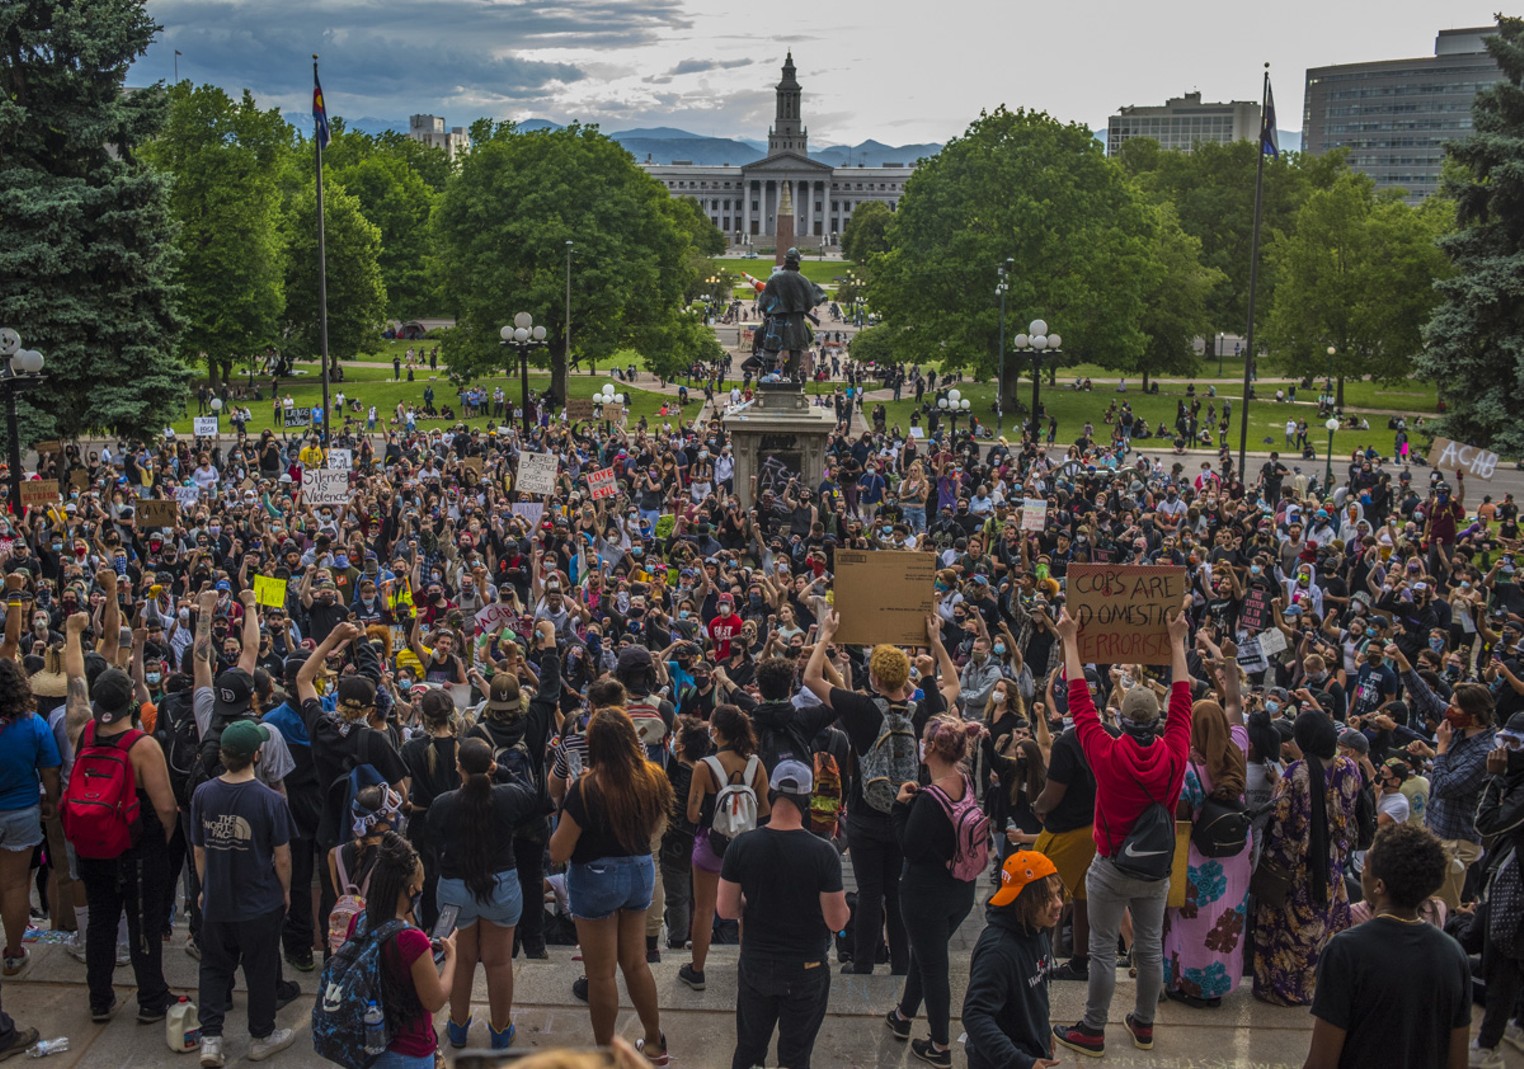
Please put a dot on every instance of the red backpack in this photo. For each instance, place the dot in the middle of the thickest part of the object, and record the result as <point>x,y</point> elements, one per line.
<point>100,811</point>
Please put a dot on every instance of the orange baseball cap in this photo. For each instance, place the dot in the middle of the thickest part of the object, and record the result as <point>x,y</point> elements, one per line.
<point>1021,868</point>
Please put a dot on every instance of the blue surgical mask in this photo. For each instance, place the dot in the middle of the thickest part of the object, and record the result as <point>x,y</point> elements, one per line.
<point>1272,706</point>
<point>999,649</point>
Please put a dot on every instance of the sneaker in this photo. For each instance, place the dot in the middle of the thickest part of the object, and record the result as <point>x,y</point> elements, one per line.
<point>211,1053</point>
<point>459,1034</point>
<point>152,1016</point>
<point>1073,969</point>
<point>1091,1042</point>
<point>538,954</point>
<point>692,977</point>
<point>897,1024</point>
<point>1483,1057</point>
<point>579,988</point>
<point>123,955</point>
<point>271,1044</point>
<point>925,1050</point>
<point>300,961</point>
<point>1514,1035</point>
<point>104,1015</point>
<point>76,947</point>
<point>501,1040</point>
<point>653,950</point>
<point>286,992</point>
<point>194,950</point>
<point>851,969</point>
<point>16,966</point>
<point>1142,1034</point>
<point>24,1038</point>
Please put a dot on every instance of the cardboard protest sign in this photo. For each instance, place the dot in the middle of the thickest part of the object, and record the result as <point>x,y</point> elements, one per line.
<point>1255,611</point>
<point>188,496</point>
<point>205,426</point>
<point>491,617</point>
<point>578,408</point>
<point>270,591</point>
<point>472,464</point>
<point>1034,514</point>
<point>341,459</point>
<point>530,510</point>
<point>1273,641</point>
<point>50,446</point>
<point>153,512</point>
<point>884,596</point>
<point>321,486</point>
<point>613,413</point>
<point>39,493</point>
<point>79,478</point>
<point>601,483</point>
<point>1251,658</point>
<point>1123,610</point>
<point>1447,455</point>
<point>537,472</point>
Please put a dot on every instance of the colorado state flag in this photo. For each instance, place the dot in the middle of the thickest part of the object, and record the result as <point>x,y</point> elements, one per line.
<point>1269,136</point>
<point>319,111</point>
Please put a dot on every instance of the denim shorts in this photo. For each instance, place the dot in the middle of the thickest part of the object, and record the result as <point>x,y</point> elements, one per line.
<point>393,1060</point>
<point>503,909</point>
<point>21,829</point>
<point>599,889</point>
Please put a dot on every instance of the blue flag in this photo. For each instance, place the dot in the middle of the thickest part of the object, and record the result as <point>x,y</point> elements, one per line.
<point>1269,136</point>
<point>319,111</point>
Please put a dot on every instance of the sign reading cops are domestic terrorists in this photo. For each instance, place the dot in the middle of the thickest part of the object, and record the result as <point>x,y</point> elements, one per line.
<point>1123,610</point>
<point>1472,460</point>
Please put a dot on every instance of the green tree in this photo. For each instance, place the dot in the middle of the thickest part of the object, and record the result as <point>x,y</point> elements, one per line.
<point>87,257</point>
<point>1356,274</point>
<point>1175,309</point>
<point>704,242</point>
<point>356,292</point>
<point>1474,340</point>
<point>223,156</point>
<point>395,197</point>
<point>1212,190</point>
<point>502,226</point>
<point>867,232</point>
<point>1021,185</point>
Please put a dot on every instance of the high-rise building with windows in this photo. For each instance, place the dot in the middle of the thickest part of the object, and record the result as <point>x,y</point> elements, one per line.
<point>1183,122</point>
<point>430,129</point>
<point>1394,115</point>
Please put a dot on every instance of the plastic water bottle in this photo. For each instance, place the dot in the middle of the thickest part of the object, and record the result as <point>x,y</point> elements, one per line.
<point>375,1029</point>
<point>44,1047</point>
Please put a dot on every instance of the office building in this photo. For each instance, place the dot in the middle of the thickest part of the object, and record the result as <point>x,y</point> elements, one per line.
<point>1183,122</point>
<point>430,129</point>
<point>1395,115</point>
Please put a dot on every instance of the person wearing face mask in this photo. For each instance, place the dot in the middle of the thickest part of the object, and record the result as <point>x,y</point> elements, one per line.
<point>1500,813</point>
<point>979,675</point>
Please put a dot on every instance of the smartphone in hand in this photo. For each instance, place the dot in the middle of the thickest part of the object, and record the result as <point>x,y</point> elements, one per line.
<point>442,928</point>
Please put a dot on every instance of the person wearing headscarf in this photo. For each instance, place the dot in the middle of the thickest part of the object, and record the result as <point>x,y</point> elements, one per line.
<point>1500,817</point>
<point>1309,840</point>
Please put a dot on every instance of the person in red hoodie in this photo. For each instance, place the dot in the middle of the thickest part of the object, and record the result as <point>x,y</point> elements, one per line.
<point>1133,770</point>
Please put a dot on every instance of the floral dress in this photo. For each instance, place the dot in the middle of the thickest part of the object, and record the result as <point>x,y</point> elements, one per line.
<point>1204,939</point>
<point>1289,940</point>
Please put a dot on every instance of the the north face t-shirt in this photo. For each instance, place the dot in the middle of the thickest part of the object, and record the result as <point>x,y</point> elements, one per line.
<point>239,825</point>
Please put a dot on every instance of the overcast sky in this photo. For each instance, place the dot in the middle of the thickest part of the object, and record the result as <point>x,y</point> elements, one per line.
<point>886,69</point>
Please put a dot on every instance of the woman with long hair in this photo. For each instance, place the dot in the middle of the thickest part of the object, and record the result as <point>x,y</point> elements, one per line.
<point>412,988</point>
<point>734,760</point>
<point>1302,898</point>
<point>1203,939</point>
<point>933,901</point>
<point>431,771</point>
<point>613,815</point>
<point>473,827</point>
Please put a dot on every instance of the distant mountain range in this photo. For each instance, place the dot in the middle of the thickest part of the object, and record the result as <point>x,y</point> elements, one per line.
<point>667,144</point>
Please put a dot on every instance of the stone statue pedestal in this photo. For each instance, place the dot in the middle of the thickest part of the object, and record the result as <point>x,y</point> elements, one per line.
<point>779,437</point>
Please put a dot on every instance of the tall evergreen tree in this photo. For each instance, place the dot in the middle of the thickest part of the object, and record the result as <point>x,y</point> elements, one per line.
<point>1474,344</point>
<point>87,258</point>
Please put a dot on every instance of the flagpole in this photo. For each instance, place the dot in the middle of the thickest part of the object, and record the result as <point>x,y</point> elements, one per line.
<point>1259,192</point>
<point>323,266</point>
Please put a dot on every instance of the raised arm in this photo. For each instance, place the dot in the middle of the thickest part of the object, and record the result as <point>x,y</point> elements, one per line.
<point>111,618</point>
<point>248,654</point>
<point>77,707</point>
<point>201,648</point>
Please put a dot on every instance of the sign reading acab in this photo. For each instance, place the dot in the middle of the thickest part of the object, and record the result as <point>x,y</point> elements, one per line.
<point>1473,460</point>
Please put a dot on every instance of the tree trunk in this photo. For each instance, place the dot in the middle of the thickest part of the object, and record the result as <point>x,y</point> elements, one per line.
<point>558,376</point>
<point>1145,382</point>
<point>1339,398</point>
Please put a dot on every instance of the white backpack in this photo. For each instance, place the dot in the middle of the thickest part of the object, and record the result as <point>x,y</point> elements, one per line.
<point>735,807</point>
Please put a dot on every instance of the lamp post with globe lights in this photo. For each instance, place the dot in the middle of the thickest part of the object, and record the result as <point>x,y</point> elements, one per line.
<point>1036,342</point>
<point>603,399</point>
<point>1330,426</point>
<point>523,335</point>
<point>21,371</point>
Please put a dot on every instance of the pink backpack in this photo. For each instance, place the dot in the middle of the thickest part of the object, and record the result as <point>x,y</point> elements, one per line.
<point>971,831</point>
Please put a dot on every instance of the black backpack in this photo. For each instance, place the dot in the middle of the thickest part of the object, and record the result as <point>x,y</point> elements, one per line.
<point>208,762</point>
<point>175,732</point>
<point>1221,828</point>
<point>775,745</point>
<point>1148,851</point>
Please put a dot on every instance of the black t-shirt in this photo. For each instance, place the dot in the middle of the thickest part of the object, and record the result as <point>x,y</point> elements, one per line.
<point>426,784</point>
<point>1366,986</point>
<point>512,804</point>
<point>1068,766</point>
<point>597,838</point>
<point>782,876</point>
<point>863,720</point>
